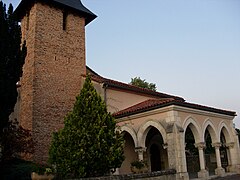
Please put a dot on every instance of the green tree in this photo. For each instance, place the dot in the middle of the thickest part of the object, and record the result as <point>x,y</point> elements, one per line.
<point>12,58</point>
<point>137,81</point>
<point>88,145</point>
<point>16,140</point>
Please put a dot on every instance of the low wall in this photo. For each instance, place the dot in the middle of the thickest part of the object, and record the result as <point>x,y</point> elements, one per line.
<point>160,175</point>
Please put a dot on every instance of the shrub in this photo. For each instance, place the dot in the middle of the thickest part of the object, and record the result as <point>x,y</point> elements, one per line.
<point>89,144</point>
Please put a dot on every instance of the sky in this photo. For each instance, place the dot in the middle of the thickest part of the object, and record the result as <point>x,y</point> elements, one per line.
<point>188,48</point>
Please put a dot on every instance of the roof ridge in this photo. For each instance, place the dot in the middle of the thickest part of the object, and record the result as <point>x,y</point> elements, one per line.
<point>118,84</point>
<point>123,85</point>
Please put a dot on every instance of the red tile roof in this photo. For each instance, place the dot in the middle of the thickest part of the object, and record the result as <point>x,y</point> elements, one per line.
<point>148,104</point>
<point>152,104</point>
<point>109,83</point>
<point>159,99</point>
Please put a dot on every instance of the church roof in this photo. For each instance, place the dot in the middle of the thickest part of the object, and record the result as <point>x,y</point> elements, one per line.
<point>109,83</point>
<point>158,99</point>
<point>152,104</point>
<point>73,5</point>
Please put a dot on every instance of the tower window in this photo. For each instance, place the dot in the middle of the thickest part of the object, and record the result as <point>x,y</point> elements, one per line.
<point>64,25</point>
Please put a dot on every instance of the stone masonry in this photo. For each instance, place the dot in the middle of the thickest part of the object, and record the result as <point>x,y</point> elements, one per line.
<point>52,71</point>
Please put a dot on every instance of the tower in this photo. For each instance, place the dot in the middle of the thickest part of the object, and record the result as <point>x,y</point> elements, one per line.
<point>54,32</point>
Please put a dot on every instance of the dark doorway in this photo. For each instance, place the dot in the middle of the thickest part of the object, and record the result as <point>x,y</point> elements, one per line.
<point>223,152</point>
<point>155,158</point>
<point>192,156</point>
<point>210,155</point>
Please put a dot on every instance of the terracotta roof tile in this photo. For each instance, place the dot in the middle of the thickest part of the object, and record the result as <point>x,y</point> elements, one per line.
<point>159,103</point>
<point>119,85</point>
<point>159,99</point>
<point>206,108</point>
<point>143,106</point>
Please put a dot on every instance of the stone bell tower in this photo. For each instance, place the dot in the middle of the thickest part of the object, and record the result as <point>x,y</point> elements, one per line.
<point>54,32</point>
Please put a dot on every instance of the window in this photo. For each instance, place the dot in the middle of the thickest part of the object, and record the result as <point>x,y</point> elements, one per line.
<point>64,25</point>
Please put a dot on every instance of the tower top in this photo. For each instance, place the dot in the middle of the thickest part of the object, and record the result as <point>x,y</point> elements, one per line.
<point>71,5</point>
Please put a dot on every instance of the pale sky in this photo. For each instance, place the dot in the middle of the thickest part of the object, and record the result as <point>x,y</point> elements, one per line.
<point>189,48</point>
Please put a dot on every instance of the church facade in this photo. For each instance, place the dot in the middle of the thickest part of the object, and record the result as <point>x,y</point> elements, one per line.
<point>156,126</point>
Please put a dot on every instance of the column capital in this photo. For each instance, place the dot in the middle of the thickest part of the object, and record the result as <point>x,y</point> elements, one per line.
<point>217,145</point>
<point>165,145</point>
<point>200,145</point>
<point>140,149</point>
<point>230,145</point>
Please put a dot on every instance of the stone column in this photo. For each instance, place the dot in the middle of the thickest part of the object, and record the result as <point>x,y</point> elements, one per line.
<point>219,170</point>
<point>203,173</point>
<point>231,159</point>
<point>176,152</point>
<point>140,151</point>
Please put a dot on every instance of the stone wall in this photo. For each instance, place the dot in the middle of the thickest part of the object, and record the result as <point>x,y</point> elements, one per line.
<point>160,175</point>
<point>52,72</point>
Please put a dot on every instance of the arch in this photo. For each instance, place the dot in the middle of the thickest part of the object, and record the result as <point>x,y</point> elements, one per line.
<point>131,132</point>
<point>195,128</point>
<point>143,131</point>
<point>227,133</point>
<point>208,125</point>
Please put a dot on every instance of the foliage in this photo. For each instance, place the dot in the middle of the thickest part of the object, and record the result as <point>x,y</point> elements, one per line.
<point>11,61</point>
<point>139,164</point>
<point>42,169</point>
<point>15,141</point>
<point>137,81</point>
<point>88,145</point>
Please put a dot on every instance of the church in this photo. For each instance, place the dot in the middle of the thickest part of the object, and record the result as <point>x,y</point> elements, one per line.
<point>155,126</point>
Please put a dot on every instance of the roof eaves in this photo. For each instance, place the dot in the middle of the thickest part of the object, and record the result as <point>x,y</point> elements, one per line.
<point>117,116</point>
<point>178,103</point>
<point>78,7</point>
<point>120,85</point>
<point>205,108</point>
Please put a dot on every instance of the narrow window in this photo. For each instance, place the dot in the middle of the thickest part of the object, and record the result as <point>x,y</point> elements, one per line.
<point>64,20</point>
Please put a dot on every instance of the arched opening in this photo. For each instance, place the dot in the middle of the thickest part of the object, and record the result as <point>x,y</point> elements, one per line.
<point>129,153</point>
<point>210,155</point>
<point>155,158</point>
<point>223,151</point>
<point>192,156</point>
<point>157,155</point>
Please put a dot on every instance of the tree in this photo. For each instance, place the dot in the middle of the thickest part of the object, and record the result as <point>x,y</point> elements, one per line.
<point>13,138</point>
<point>137,81</point>
<point>88,145</point>
<point>16,141</point>
<point>12,58</point>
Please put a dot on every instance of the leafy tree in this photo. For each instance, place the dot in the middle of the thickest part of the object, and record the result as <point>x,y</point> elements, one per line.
<point>89,144</point>
<point>137,81</point>
<point>16,140</point>
<point>12,58</point>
